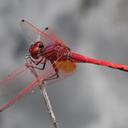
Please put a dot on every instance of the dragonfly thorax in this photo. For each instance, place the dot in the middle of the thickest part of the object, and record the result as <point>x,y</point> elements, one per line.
<point>54,52</point>
<point>36,49</point>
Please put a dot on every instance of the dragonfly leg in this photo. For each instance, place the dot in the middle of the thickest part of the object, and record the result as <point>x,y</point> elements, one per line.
<point>39,68</point>
<point>44,64</point>
<point>56,75</point>
<point>55,68</point>
<point>29,59</point>
<point>29,63</point>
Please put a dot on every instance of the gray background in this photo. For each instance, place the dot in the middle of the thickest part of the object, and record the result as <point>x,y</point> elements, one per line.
<point>94,97</point>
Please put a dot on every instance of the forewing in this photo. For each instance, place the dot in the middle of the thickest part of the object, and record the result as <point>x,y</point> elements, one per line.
<point>11,85</point>
<point>18,96</point>
<point>13,75</point>
<point>16,85</point>
<point>54,37</point>
<point>34,34</point>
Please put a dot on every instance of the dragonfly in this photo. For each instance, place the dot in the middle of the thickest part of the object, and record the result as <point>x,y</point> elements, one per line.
<point>50,59</point>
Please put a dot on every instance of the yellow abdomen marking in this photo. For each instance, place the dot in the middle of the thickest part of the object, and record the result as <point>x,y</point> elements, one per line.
<point>66,66</point>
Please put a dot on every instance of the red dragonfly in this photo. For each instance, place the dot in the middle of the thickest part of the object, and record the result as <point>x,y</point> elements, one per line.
<point>48,49</point>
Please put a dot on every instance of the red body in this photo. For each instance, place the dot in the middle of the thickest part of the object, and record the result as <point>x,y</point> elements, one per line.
<point>58,49</point>
<point>55,51</point>
<point>84,59</point>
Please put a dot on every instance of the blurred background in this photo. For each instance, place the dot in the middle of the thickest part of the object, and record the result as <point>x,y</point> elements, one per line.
<point>94,97</point>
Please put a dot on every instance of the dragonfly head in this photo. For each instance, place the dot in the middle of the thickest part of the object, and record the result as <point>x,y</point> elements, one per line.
<point>36,49</point>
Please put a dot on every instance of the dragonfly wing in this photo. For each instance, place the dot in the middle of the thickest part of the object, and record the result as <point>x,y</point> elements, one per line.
<point>35,34</point>
<point>54,37</point>
<point>65,68</point>
<point>15,86</point>
<point>51,33</point>
<point>46,75</point>
<point>13,75</point>
<point>19,96</point>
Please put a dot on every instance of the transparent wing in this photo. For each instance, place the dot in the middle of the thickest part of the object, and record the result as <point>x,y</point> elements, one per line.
<point>12,84</point>
<point>13,75</point>
<point>54,37</point>
<point>35,34</point>
<point>19,96</point>
<point>64,67</point>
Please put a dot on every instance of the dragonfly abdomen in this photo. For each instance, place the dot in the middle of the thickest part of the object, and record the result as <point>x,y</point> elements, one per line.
<point>83,59</point>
